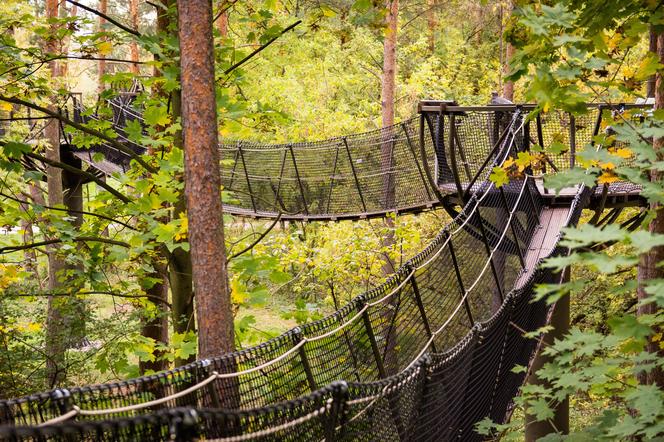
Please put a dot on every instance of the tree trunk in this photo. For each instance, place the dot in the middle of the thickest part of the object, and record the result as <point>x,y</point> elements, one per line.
<point>64,12</point>
<point>203,179</point>
<point>179,269</point>
<point>431,23</point>
<point>133,46</point>
<point>648,264</point>
<point>508,86</point>
<point>387,161</point>
<point>55,330</point>
<point>652,47</point>
<point>387,112</point>
<point>156,327</point>
<point>222,21</point>
<point>103,8</point>
<point>182,292</point>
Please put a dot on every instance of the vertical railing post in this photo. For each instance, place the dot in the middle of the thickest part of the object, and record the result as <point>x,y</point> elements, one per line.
<point>462,154</point>
<point>337,411</point>
<point>297,338</point>
<point>420,305</point>
<point>425,162</point>
<point>485,239</point>
<point>357,181</point>
<point>299,181</point>
<point>372,340</point>
<point>281,174</point>
<point>511,222</point>
<point>453,162</point>
<point>332,178</point>
<point>540,141</point>
<point>246,175</point>
<point>417,163</point>
<point>462,288</point>
<point>572,141</point>
<point>205,366</point>
<point>381,369</point>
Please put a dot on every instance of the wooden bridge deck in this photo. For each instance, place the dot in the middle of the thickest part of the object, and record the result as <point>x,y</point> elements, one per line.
<point>544,240</point>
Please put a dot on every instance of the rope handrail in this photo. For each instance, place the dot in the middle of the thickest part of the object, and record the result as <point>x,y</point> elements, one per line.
<point>331,331</point>
<point>304,340</point>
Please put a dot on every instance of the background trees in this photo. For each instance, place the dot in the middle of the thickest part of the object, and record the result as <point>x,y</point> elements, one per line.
<point>119,264</point>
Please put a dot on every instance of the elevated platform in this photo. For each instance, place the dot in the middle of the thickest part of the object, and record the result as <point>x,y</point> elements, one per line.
<point>544,240</point>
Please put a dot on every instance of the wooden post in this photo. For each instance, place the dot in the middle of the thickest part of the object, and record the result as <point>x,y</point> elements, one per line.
<point>420,306</point>
<point>332,178</point>
<point>462,289</point>
<point>357,181</point>
<point>299,181</point>
<point>246,175</point>
<point>560,421</point>
<point>417,163</point>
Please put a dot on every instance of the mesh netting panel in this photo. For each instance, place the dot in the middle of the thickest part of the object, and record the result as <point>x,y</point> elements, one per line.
<point>358,175</point>
<point>426,355</point>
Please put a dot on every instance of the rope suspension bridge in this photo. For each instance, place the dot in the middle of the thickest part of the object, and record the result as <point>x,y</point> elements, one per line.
<point>424,356</point>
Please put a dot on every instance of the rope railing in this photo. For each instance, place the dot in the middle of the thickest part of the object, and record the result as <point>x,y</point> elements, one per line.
<point>423,371</point>
<point>387,294</point>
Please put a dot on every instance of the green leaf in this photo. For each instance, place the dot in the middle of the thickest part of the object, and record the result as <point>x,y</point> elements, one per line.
<point>628,326</point>
<point>569,178</point>
<point>16,150</point>
<point>540,409</point>
<point>499,176</point>
<point>156,116</point>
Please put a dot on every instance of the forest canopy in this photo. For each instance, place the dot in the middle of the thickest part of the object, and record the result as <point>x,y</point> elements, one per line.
<point>127,262</point>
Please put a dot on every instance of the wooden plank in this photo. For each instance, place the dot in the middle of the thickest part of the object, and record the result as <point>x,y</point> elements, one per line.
<point>544,240</point>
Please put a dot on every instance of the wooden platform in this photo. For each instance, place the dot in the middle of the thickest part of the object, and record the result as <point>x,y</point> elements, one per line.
<point>545,238</point>
<point>618,194</point>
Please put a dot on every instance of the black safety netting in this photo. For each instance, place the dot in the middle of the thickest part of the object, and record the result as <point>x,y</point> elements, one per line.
<point>440,396</point>
<point>422,352</point>
<point>424,356</point>
<point>359,175</point>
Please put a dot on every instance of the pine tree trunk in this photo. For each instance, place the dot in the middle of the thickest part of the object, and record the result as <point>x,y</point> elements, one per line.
<point>203,180</point>
<point>103,8</point>
<point>431,23</point>
<point>387,161</point>
<point>133,46</point>
<point>652,47</point>
<point>222,21</point>
<point>648,264</point>
<point>179,269</point>
<point>508,86</point>
<point>387,112</point>
<point>55,329</point>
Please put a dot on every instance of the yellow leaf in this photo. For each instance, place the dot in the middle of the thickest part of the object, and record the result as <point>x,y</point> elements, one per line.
<point>607,178</point>
<point>623,152</point>
<point>5,106</point>
<point>105,47</point>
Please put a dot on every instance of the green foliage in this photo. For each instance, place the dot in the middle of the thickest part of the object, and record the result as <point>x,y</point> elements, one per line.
<point>570,52</point>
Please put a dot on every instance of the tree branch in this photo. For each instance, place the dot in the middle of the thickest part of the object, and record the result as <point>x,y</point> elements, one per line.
<point>82,212</point>
<point>93,292</point>
<point>257,240</point>
<point>114,143</point>
<point>260,48</point>
<point>11,249</point>
<point>80,172</point>
<point>106,17</point>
